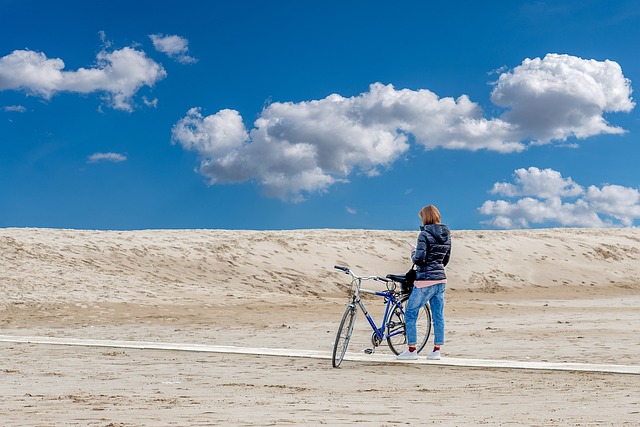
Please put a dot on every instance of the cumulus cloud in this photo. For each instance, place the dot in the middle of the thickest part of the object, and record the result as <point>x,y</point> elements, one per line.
<point>561,96</point>
<point>547,197</point>
<point>546,184</point>
<point>106,157</point>
<point>119,74</point>
<point>175,47</point>
<point>298,148</point>
<point>622,203</point>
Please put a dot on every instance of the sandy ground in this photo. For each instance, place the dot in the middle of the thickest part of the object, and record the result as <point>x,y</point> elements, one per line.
<point>569,295</point>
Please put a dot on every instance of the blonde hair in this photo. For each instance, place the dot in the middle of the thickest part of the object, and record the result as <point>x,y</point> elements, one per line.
<point>429,215</point>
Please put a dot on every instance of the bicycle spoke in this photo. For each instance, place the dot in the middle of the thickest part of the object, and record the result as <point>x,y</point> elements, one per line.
<point>396,334</point>
<point>344,335</point>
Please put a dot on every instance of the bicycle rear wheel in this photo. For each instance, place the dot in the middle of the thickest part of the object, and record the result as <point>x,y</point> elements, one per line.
<point>396,334</point>
<point>344,335</point>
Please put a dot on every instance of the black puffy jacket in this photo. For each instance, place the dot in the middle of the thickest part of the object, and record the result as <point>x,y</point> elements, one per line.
<point>432,252</point>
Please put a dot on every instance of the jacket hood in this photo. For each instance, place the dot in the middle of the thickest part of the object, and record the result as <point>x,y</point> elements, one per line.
<point>440,232</point>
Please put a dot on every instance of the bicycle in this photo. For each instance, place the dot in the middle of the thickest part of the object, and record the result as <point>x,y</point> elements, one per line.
<point>392,327</point>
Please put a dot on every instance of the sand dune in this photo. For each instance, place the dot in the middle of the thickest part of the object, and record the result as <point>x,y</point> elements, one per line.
<point>553,294</point>
<point>44,265</point>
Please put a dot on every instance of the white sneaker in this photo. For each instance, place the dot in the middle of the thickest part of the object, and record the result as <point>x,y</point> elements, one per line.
<point>434,355</point>
<point>407,355</point>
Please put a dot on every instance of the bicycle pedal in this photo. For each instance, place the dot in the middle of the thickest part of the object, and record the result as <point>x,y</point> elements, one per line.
<point>368,350</point>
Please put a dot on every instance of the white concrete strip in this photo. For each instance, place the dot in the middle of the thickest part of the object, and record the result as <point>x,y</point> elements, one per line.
<point>349,357</point>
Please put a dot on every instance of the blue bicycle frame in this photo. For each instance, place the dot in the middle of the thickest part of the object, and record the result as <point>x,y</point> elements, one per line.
<point>391,301</point>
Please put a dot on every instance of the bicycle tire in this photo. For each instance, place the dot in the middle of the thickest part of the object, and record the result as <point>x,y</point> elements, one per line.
<point>344,335</point>
<point>396,333</point>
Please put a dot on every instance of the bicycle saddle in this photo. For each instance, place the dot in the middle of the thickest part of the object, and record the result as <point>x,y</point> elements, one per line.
<point>397,277</point>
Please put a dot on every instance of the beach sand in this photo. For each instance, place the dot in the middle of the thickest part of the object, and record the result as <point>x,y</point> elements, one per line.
<point>556,295</point>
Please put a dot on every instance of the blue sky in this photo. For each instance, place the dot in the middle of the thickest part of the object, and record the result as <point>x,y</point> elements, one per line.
<point>318,114</point>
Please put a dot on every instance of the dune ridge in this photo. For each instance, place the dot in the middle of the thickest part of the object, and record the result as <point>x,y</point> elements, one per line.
<point>45,265</point>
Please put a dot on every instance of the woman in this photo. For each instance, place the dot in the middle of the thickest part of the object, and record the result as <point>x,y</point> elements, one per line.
<point>430,256</point>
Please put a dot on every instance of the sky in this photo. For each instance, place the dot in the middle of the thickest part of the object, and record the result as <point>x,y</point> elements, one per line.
<point>319,114</point>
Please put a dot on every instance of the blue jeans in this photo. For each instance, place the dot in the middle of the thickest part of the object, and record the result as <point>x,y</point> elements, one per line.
<point>434,295</point>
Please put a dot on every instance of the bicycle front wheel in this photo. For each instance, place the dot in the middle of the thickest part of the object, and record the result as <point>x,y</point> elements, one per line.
<point>344,335</point>
<point>396,333</point>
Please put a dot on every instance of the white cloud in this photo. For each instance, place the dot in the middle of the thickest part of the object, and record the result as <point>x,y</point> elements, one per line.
<point>296,148</point>
<point>106,157</point>
<point>174,46</point>
<point>119,74</point>
<point>561,96</point>
<point>544,184</point>
<point>103,38</point>
<point>622,203</point>
<point>529,211</point>
<point>545,201</point>
<point>351,210</point>
<point>14,108</point>
<point>150,103</point>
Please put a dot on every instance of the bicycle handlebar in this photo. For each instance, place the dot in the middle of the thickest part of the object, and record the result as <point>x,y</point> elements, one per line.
<point>339,267</point>
<point>346,270</point>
